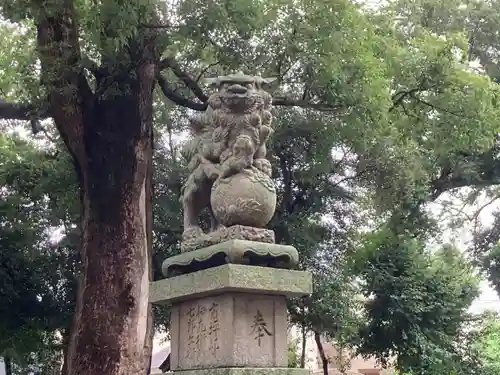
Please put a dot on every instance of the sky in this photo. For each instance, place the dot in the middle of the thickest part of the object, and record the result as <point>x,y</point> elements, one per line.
<point>461,237</point>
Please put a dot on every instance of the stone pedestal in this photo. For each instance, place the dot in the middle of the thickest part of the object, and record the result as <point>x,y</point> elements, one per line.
<point>229,330</point>
<point>230,319</point>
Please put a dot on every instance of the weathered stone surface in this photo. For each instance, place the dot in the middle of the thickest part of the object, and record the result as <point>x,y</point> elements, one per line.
<point>246,198</point>
<point>233,251</point>
<point>231,278</point>
<point>230,330</point>
<point>226,159</point>
<point>246,371</point>
<point>235,232</point>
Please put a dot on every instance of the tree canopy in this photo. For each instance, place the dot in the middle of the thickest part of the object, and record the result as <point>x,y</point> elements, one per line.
<point>379,112</point>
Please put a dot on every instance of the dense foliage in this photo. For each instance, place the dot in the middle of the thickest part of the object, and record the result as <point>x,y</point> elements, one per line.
<point>379,113</point>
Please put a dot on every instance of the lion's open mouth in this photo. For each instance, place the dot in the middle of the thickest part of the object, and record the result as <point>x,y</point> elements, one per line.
<point>241,102</point>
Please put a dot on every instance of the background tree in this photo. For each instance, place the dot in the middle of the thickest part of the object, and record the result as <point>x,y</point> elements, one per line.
<point>390,119</point>
<point>487,343</point>
<point>36,277</point>
<point>416,304</point>
<point>105,122</point>
<point>466,169</point>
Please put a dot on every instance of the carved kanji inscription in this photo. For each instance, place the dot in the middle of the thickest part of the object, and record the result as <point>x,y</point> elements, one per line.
<point>259,327</point>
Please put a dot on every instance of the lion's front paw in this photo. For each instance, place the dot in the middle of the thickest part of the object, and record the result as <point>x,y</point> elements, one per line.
<point>264,166</point>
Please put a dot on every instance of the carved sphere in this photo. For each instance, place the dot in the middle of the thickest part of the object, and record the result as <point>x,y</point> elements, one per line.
<point>247,198</point>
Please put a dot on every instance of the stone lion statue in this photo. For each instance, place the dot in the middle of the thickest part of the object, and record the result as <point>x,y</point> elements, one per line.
<point>229,140</point>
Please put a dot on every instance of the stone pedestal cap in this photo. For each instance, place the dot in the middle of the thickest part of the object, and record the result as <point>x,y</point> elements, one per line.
<point>234,251</point>
<point>232,278</point>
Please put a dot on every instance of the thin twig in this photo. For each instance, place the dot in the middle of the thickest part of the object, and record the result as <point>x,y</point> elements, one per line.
<point>206,69</point>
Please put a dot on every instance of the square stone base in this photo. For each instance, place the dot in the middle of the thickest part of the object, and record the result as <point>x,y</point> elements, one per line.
<point>247,371</point>
<point>231,278</point>
<point>229,330</point>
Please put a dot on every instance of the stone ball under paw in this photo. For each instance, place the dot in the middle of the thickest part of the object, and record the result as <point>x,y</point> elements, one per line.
<point>247,198</point>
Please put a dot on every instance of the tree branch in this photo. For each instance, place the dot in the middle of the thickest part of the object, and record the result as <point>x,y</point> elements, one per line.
<point>204,70</point>
<point>25,112</point>
<point>59,51</point>
<point>480,209</point>
<point>198,92</point>
<point>155,26</point>
<point>440,187</point>
<point>398,97</point>
<point>20,111</point>
<point>438,108</point>
<point>486,173</point>
<point>92,66</point>
<point>178,99</point>
<point>184,77</point>
<point>323,107</point>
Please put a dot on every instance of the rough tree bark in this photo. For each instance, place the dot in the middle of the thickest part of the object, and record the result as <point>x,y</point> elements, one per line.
<point>109,138</point>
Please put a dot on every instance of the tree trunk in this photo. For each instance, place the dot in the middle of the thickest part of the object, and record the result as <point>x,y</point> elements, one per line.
<point>7,360</point>
<point>70,332</point>
<point>108,132</point>
<point>148,347</point>
<point>66,343</point>
<point>324,359</point>
<point>113,326</point>
<point>303,349</point>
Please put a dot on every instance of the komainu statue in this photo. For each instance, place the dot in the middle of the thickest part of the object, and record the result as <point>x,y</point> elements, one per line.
<point>229,175</point>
